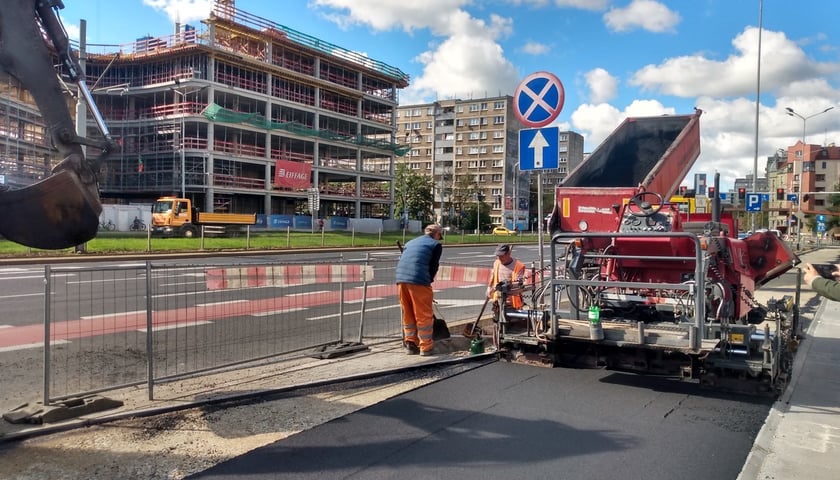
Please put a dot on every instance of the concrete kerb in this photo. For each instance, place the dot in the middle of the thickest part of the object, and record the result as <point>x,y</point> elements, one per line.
<point>142,409</point>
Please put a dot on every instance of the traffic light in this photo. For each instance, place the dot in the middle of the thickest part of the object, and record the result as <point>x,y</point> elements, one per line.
<point>683,189</point>
<point>742,193</point>
<point>780,194</point>
<point>711,192</point>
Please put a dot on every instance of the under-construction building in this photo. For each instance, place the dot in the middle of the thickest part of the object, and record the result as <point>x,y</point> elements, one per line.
<point>470,149</point>
<point>26,155</point>
<point>242,114</point>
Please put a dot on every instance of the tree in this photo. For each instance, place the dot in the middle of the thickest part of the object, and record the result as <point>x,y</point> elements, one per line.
<point>413,195</point>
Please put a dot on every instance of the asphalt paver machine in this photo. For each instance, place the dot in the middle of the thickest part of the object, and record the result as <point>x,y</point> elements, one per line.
<point>635,284</point>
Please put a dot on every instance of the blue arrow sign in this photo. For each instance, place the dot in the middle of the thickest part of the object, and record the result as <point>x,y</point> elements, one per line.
<point>753,202</point>
<point>821,218</point>
<point>539,148</point>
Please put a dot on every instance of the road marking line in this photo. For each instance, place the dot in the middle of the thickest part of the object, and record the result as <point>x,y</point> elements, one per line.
<point>351,313</point>
<point>213,304</point>
<point>110,315</point>
<point>274,312</point>
<point>31,345</point>
<point>174,326</point>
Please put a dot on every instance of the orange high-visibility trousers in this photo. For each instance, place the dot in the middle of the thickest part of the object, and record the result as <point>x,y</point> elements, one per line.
<point>417,316</point>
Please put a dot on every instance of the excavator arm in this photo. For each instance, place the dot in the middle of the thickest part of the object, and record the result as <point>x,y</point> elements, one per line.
<point>62,210</point>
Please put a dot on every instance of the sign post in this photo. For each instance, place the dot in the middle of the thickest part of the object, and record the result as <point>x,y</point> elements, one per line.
<point>537,102</point>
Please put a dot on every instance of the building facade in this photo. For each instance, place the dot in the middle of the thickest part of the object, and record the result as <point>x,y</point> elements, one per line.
<point>245,115</point>
<point>470,151</point>
<point>26,155</point>
<point>805,177</point>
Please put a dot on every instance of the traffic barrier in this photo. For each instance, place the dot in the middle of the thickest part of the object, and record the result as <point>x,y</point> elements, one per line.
<point>286,275</point>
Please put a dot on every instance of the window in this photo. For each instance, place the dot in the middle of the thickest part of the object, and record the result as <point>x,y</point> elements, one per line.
<point>496,178</point>
<point>473,150</point>
<point>415,152</point>
<point>820,177</point>
<point>430,110</point>
<point>563,160</point>
<point>498,163</point>
<point>474,107</point>
<point>564,137</point>
<point>459,109</point>
<point>483,106</point>
<point>459,151</point>
<point>416,112</point>
<point>499,134</point>
<point>484,120</point>
<point>474,136</point>
<point>459,137</point>
<point>562,148</point>
<point>498,148</point>
<point>460,123</point>
<point>414,166</point>
<point>499,105</point>
<point>498,120</point>
<point>429,138</point>
<point>429,125</point>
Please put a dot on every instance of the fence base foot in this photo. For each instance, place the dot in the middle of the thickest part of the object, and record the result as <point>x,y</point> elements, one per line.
<point>38,413</point>
<point>338,349</point>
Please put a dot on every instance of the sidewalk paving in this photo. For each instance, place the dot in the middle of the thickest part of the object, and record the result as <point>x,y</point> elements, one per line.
<point>801,437</point>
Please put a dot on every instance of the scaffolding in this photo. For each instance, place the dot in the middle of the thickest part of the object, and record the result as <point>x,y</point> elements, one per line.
<point>219,104</point>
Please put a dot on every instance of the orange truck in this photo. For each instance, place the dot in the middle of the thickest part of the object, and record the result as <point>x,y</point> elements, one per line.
<point>176,217</point>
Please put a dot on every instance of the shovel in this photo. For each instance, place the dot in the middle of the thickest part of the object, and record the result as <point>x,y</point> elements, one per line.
<point>471,330</point>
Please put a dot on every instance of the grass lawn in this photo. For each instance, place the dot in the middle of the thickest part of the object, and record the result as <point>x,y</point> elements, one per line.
<point>139,242</point>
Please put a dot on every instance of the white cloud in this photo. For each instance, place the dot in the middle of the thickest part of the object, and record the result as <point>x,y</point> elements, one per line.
<point>535,48</point>
<point>182,10</point>
<point>602,86</point>
<point>645,14</point>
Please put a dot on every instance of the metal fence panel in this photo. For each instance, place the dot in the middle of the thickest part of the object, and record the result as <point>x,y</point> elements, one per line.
<point>206,316</point>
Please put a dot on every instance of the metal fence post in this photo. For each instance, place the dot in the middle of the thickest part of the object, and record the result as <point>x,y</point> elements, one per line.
<point>47,314</point>
<point>364,298</point>
<point>150,359</point>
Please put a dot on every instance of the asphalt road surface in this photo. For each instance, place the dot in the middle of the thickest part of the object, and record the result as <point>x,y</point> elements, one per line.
<point>505,421</point>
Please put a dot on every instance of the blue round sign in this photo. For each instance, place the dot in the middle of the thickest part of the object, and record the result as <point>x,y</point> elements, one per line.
<point>539,99</point>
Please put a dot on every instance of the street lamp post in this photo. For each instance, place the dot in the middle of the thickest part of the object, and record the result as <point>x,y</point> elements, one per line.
<point>798,185</point>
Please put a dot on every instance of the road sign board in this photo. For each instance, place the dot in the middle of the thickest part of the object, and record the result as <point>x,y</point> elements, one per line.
<point>820,227</point>
<point>539,148</point>
<point>753,202</point>
<point>765,197</point>
<point>792,197</point>
<point>821,218</point>
<point>539,99</point>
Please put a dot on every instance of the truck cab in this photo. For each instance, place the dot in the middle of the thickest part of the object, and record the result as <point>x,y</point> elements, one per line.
<point>172,216</point>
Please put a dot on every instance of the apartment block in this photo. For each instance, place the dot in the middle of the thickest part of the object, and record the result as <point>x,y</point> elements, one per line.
<point>803,169</point>
<point>242,114</point>
<point>470,150</point>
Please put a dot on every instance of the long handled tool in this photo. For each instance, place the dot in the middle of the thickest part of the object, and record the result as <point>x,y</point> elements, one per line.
<point>471,330</point>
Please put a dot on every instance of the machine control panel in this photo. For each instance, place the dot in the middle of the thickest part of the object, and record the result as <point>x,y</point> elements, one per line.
<point>658,222</point>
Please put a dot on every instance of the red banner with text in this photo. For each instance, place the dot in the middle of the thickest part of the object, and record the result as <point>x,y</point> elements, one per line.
<point>292,174</point>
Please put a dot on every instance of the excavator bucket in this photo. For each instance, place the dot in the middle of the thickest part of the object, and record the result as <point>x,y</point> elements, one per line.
<point>57,212</point>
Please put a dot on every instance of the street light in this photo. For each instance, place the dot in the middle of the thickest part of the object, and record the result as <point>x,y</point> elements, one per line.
<point>798,185</point>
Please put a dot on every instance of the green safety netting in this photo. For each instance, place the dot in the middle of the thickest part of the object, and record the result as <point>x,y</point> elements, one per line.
<point>217,113</point>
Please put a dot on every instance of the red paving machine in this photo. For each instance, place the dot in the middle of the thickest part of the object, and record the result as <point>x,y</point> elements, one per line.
<point>637,285</point>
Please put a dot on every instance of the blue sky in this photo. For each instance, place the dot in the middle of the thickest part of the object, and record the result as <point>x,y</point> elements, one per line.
<point>616,58</point>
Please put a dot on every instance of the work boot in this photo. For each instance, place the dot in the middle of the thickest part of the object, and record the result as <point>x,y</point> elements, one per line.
<point>411,348</point>
<point>427,353</point>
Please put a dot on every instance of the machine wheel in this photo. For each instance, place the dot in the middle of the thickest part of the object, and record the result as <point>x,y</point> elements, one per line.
<point>639,204</point>
<point>189,232</point>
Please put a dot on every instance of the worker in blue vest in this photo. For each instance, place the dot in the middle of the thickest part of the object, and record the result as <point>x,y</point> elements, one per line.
<point>415,273</point>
